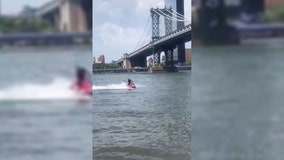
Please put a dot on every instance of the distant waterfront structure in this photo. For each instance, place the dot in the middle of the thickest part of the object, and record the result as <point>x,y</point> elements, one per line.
<point>188,55</point>
<point>113,62</point>
<point>150,61</point>
<point>94,60</point>
<point>163,58</point>
<point>101,59</point>
<point>28,11</point>
<point>126,62</point>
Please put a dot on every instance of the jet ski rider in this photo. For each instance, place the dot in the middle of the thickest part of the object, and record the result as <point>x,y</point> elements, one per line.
<point>129,82</point>
<point>81,83</point>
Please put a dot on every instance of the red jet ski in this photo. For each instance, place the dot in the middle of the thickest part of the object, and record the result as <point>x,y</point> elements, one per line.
<point>86,88</point>
<point>131,85</point>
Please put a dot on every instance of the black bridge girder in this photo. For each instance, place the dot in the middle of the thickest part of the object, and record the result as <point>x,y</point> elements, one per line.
<point>138,61</point>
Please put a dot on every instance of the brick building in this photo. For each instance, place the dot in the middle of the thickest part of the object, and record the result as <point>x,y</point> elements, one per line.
<point>188,55</point>
<point>274,2</point>
<point>101,59</point>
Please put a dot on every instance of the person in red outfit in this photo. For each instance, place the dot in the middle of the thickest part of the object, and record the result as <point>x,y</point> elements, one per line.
<point>82,84</point>
<point>131,84</point>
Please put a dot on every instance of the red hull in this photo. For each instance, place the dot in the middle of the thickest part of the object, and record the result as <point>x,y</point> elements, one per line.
<point>131,86</point>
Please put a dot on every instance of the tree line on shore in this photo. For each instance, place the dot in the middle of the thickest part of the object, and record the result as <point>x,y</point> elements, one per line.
<point>105,66</point>
<point>24,25</point>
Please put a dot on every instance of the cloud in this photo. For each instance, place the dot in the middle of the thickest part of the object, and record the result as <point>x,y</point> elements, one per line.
<point>112,37</point>
<point>116,34</point>
<point>146,4</point>
<point>106,9</point>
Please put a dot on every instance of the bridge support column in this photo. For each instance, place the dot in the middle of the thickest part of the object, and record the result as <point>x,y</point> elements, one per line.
<point>126,64</point>
<point>169,63</point>
<point>157,66</point>
<point>213,26</point>
<point>157,58</point>
<point>73,18</point>
<point>180,24</point>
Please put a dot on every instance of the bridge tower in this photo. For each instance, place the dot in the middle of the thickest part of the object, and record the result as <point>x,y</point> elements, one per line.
<point>126,64</point>
<point>172,53</point>
<point>180,24</point>
<point>155,24</point>
<point>179,52</point>
<point>155,14</point>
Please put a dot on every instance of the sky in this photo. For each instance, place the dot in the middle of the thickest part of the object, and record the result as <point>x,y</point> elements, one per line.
<point>15,6</point>
<point>118,25</point>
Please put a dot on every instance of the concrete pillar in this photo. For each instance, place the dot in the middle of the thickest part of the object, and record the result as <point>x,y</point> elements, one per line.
<point>169,63</point>
<point>181,47</point>
<point>212,24</point>
<point>72,17</point>
<point>156,58</point>
<point>57,21</point>
<point>126,64</point>
<point>169,56</point>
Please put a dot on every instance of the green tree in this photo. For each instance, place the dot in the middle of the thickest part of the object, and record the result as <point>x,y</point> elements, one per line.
<point>22,25</point>
<point>275,13</point>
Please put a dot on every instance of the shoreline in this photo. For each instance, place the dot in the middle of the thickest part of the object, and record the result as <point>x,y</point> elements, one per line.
<point>51,48</point>
<point>137,71</point>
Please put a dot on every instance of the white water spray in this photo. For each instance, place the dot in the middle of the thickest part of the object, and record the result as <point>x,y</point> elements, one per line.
<point>59,89</point>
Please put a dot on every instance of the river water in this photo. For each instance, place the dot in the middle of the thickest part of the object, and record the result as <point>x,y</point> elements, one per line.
<point>40,117</point>
<point>237,96</point>
<point>151,122</point>
<point>237,108</point>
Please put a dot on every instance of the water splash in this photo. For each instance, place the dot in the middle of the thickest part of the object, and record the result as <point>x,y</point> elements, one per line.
<point>59,89</point>
<point>122,85</point>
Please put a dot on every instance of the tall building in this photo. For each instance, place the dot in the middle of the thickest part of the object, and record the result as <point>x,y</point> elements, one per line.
<point>101,59</point>
<point>94,60</point>
<point>188,55</point>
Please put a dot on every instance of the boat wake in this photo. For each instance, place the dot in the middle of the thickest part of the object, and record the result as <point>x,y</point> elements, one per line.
<point>59,89</point>
<point>122,85</point>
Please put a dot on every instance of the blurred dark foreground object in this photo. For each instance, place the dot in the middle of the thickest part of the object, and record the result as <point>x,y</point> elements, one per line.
<point>220,22</point>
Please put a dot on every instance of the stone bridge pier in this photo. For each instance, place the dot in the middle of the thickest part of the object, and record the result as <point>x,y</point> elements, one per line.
<point>126,64</point>
<point>170,60</point>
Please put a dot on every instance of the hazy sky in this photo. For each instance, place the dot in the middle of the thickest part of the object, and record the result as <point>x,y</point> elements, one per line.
<point>118,25</point>
<point>14,6</point>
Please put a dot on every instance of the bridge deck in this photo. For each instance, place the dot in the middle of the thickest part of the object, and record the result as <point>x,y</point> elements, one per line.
<point>182,34</point>
<point>48,7</point>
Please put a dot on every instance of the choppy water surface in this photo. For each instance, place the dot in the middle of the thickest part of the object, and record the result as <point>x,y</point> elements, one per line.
<point>151,122</point>
<point>237,95</point>
<point>41,118</point>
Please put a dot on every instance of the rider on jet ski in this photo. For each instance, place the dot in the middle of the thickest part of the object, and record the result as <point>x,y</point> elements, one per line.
<point>130,83</point>
<point>82,84</point>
